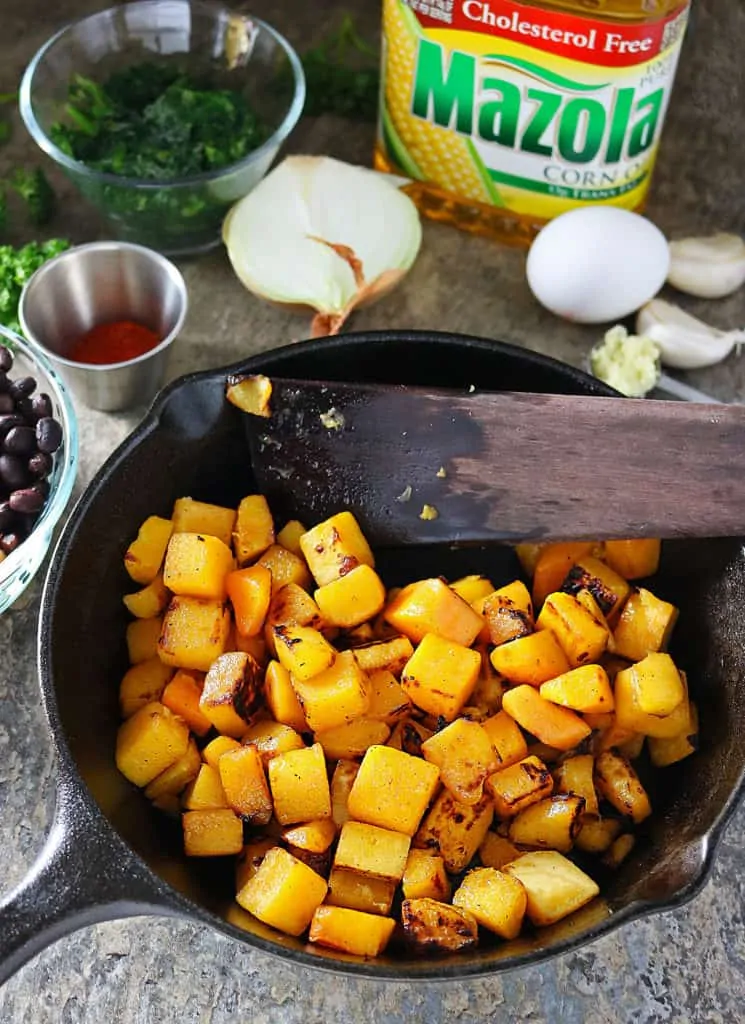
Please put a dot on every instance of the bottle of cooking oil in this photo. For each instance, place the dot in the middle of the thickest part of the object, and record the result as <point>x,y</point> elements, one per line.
<point>505,114</point>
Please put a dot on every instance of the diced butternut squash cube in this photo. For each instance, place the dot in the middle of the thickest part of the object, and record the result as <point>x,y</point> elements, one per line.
<point>300,785</point>
<point>175,779</point>
<point>291,605</point>
<point>473,588</point>
<point>554,885</point>
<point>527,555</point>
<point>659,687</point>
<point>290,534</point>
<point>250,858</point>
<point>214,750</point>
<point>552,565</point>
<point>250,591</point>
<point>195,632</point>
<point>517,787</point>
<point>335,696</point>
<point>575,775</point>
<point>645,626</point>
<point>496,900</point>
<point>354,598</point>
<point>532,659</point>
<point>496,851</point>
<point>150,741</point>
<point>583,637</point>
<point>231,693</point>
<point>425,877</point>
<point>196,566</point>
<point>465,756</point>
<point>432,607</point>
<point>282,699</point>
<point>253,532</point>
<point>150,601</point>
<point>360,892</point>
<point>551,824</point>
<point>191,516</point>
<point>351,931</point>
<point>392,789</point>
<point>454,830</point>
<point>245,786</point>
<point>440,675</point>
<point>313,836</point>
<point>342,781</point>
<point>142,684</point>
<point>272,738</point>
<point>285,568</point>
<point>619,850</point>
<point>353,739</point>
<point>432,925</point>
<point>143,636</point>
<point>144,556</point>
<point>506,738</point>
<point>182,696</point>
<point>205,792</point>
<point>335,547</point>
<point>370,850</point>
<point>388,699</point>
<point>633,559</point>
<point>656,674</point>
<point>284,892</point>
<point>385,655</point>
<point>586,688</point>
<point>664,752</point>
<point>608,588</point>
<point>597,834</point>
<point>408,736</point>
<point>509,613</point>
<point>213,833</point>
<point>618,783</point>
<point>551,724</point>
<point>303,651</point>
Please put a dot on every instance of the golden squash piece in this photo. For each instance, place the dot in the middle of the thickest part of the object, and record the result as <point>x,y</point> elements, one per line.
<point>431,925</point>
<point>150,741</point>
<point>506,737</point>
<point>191,516</point>
<point>575,775</point>
<point>608,588</point>
<point>408,736</point>
<point>517,787</point>
<point>631,748</point>
<point>143,636</point>
<point>285,568</point>
<point>496,900</point>
<point>440,675</point>
<point>555,886</point>
<point>303,651</point>
<point>645,626</point>
<point>214,750</point>
<point>353,739</point>
<point>334,696</point>
<point>370,850</point>
<point>148,602</point>
<point>586,688</point>
<point>531,660</point>
<point>527,555</point>
<point>284,892</point>
<point>633,559</point>
<point>244,783</point>
<point>465,756</point>
<point>392,789</point>
<point>556,726</point>
<point>352,599</point>
<point>473,588</point>
<point>551,824</point>
<point>253,645</point>
<point>432,607</point>
<point>195,632</point>
<point>144,556</point>
<point>659,679</point>
<point>388,699</point>
<point>351,931</point>
<point>617,782</point>
<point>182,696</point>
<point>659,688</point>
<point>250,392</point>
<point>272,738</point>
<point>335,547</point>
<point>582,636</point>
<point>282,699</point>
<point>385,655</point>
<point>496,851</point>
<point>552,565</point>
<point>290,534</point>
<point>300,786</point>
<point>142,684</point>
<point>253,532</point>
<point>356,636</point>
<point>291,605</point>
<point>490,686</point>
<point>619,851</point>
<point>664,752</point>
<point>597,834</point>
<point>454,830</point>
<point>175,779</point>
<point>425,877</point>
<point>231,693</point>
<point>360,892</point>
<point>197,565</point>
<point>213,833</point>
<point>342,781</point>
<point>313,836</point>
<point>250,592</point>
<point>250,858</point>
<point>509,613</point>
<point>205,792</point>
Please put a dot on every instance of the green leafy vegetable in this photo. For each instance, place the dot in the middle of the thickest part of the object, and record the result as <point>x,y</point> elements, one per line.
<point>38,195</point>
<point>342,75</point>
<point>16,267</point>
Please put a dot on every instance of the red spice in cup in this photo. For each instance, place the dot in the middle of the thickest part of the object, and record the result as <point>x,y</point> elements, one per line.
<point>115,342</point>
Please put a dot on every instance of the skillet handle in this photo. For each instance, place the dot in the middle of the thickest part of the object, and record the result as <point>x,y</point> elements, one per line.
<point>84,874</point>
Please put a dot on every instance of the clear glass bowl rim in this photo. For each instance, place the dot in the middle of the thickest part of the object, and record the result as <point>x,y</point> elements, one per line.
<point>275,140</point>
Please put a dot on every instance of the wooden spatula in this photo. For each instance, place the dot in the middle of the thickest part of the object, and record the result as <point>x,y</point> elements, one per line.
<point>424,467</point>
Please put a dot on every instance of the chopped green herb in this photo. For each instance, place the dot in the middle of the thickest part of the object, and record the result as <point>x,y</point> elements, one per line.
<point>16,267</point>
<point>38,195</point>
<point>342,75</point>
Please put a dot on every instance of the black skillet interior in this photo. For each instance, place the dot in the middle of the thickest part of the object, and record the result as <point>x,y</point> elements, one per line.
<point>193,444</point>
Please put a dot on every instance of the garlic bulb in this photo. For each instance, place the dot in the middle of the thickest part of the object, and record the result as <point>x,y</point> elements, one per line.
<point>685,343</point>
<point>708,267</point>
<point>324,235</point>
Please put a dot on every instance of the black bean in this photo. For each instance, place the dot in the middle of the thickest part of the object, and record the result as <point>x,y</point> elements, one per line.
<point>27,499</point>
<point>22,386</point>
<point>13,471</point>
<point>10,541</point>
<point>40,465</point>
<point>6,358</point>
<point>8,421</point>
<point>6,403</point>
<point>41,406</point>
<point>48,435</point>
<point>20,441</point>
<point>7,515</point>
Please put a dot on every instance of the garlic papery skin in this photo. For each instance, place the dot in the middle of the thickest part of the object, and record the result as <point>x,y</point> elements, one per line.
<point>322,235</point>
<point>709,268</point>
<point>685,342</point>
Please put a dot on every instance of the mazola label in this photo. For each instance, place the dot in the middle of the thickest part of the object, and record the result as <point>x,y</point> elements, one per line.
<point>534,110</point>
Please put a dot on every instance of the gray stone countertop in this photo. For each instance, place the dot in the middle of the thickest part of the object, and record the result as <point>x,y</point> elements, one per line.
<point>686,965</point>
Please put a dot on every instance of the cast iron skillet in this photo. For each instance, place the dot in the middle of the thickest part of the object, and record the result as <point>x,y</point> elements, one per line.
<point>109,855</point>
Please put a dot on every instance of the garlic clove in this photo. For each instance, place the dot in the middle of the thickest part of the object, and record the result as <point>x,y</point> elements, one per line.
<point>710,267</point>
<point>685,342</point>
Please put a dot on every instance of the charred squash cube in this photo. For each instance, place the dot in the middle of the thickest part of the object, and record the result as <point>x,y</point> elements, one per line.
<point>432,925</point>
<point>232,693</point>
<point>195,632</point>
<point>335,547</point>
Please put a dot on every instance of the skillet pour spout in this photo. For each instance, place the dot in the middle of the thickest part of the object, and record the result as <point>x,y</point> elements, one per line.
<point>109,854</point>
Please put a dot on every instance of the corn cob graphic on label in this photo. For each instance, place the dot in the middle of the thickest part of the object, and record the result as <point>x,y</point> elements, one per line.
<point>534,110</point>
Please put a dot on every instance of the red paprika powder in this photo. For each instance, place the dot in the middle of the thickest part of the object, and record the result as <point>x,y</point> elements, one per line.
<point>114,342</point>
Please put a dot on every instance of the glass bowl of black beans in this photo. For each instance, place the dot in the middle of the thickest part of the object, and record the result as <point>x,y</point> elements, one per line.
<point>38,460</point>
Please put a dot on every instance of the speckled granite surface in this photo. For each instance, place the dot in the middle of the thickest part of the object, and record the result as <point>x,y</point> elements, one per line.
<point>688,965</point>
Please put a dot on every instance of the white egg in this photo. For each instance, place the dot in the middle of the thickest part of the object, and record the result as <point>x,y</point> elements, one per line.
<point>597,264</point>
